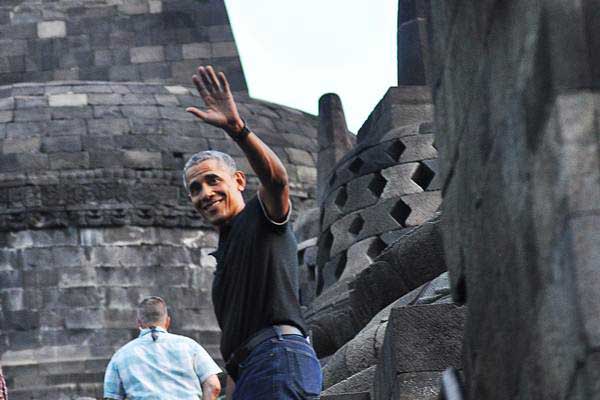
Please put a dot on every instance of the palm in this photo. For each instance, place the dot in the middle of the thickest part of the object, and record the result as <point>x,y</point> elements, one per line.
<point>221,109</point>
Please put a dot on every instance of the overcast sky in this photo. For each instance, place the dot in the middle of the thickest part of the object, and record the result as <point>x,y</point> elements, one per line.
<point>295,51</point>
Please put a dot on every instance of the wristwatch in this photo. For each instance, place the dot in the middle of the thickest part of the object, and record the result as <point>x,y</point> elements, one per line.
<point>243,133</point>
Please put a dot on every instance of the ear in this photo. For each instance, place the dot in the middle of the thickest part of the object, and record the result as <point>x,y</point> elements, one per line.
<point>139,324</point>
<point>240,179</point>
<point>168,323</point>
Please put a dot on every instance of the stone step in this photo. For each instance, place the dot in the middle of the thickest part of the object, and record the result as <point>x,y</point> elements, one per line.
<point>347,396</point>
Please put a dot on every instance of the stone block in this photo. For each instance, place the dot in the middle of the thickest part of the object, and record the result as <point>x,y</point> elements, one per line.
<point>149,112</point>
<point>108,127</point>
<point>71,113</point>
<point>301,157</point>
<point>399,181</point>
<point>196,51</point>
<point>107,111</point>
<point>422,207</point>
<point>142,159</point>
<point>155,6</point>
<point>223,49</point>
<point>21,145</point>
<point>23,162</point>
<point>68,100</point>
<point>384,216</point>
<point>415,258</point>
<point>6,116</point>
<point>7,103</point>
<point>418,339</point>
<point>51,29</point>
<point>361,192</point>
<point>25,102</point>
<point>147,54</point>
<point>79,160</point>
<point>360,255</point>
<point>347,396</point>
<point>68,144</point>
<point>84,318</point>
<point>11,47</point>
<point>360,382</point>
<point>105,99</point>
<point>24,129</point>
<point>75,127</point>
<point>32,114</point>
<point>124,73</point>
<point>134,7</point>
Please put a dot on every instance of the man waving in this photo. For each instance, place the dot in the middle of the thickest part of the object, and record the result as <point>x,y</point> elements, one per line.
<point>256,281</point>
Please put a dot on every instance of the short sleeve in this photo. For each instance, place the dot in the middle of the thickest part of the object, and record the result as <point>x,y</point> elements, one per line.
<point>113,386</point>
<point>264,211</point>
<point>204,364</point>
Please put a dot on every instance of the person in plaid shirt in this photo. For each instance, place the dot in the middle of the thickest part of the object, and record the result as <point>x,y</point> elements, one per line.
<point>160,365</point>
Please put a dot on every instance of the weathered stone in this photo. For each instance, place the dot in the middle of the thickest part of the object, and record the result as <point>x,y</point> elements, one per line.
<point>334,138</point>
<point>68,100</point>
<point>364,349</point>
<point>418,339</point>
<point>51,29</point>
<point>357,383</point>
<point>412,260</point>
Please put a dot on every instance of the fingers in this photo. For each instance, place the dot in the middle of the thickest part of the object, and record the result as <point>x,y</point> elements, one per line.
<point>224,83</point>
<point>213,78</point>
<point>200,86</point>
<point>198,113</point>
<point>208,79</point>
<point>205,79</point>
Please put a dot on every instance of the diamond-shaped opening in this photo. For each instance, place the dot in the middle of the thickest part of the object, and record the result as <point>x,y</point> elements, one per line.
<point>356,225</point>
<point>332,178</point>
<point>327,241</point>
<point>376,248</point>
<point>341,265</point>
<point>396,149</point>
<point>377,185</point>
<point>423,176</point>
<point>320,280</point>
<point>400,212</point>
<point>356,165</point>
<point>342,197</point>
<point>301,257</point>
<point>312,272</point>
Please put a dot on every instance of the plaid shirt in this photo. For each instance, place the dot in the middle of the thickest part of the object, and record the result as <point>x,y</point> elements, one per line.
<point>3,391</point>
<point>172,367</point>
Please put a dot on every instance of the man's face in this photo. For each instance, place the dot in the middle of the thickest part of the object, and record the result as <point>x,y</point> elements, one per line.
<point>215,191</point>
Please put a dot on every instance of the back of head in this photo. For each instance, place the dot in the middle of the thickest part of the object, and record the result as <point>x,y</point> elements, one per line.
<point>152,311</point>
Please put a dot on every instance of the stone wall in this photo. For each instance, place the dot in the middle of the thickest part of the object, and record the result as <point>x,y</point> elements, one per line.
<point>115,40</point>
<point>516,95</point>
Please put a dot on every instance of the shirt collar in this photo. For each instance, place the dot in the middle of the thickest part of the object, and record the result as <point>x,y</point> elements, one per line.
<point>145,331</point>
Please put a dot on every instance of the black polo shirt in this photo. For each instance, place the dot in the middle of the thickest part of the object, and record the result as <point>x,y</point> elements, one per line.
<point>256,280</point>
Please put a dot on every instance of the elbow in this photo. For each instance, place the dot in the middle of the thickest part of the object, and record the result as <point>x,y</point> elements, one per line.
<point>211,387</point>
<point>280,182</point>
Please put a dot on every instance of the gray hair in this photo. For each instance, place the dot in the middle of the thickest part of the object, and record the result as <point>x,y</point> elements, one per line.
<point>197,158</point>
<point>152,310</point>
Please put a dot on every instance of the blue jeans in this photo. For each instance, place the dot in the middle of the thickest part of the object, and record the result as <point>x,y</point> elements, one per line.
<point>280,369</point>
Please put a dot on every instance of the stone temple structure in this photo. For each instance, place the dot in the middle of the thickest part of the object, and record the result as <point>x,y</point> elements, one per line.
<point>93,215</point>
<point>458,229</point>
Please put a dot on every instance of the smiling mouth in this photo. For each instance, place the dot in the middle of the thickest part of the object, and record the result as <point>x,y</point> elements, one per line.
<point>208,206</point>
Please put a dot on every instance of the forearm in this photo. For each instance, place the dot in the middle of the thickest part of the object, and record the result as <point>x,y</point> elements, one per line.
<point>264,162</point>
<point>230,388</point>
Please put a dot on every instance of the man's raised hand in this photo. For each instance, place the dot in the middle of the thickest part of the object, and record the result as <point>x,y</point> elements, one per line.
<point>221,109</point>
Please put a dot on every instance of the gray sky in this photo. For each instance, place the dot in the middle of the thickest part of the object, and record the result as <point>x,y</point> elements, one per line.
<point>295,51</point>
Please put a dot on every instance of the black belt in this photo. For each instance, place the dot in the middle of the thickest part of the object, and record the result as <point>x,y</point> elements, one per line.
<point>242,352</point>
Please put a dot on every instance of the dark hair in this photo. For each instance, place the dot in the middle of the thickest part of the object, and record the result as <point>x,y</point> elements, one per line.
<point>152,310</point>
<point>197,158</point>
